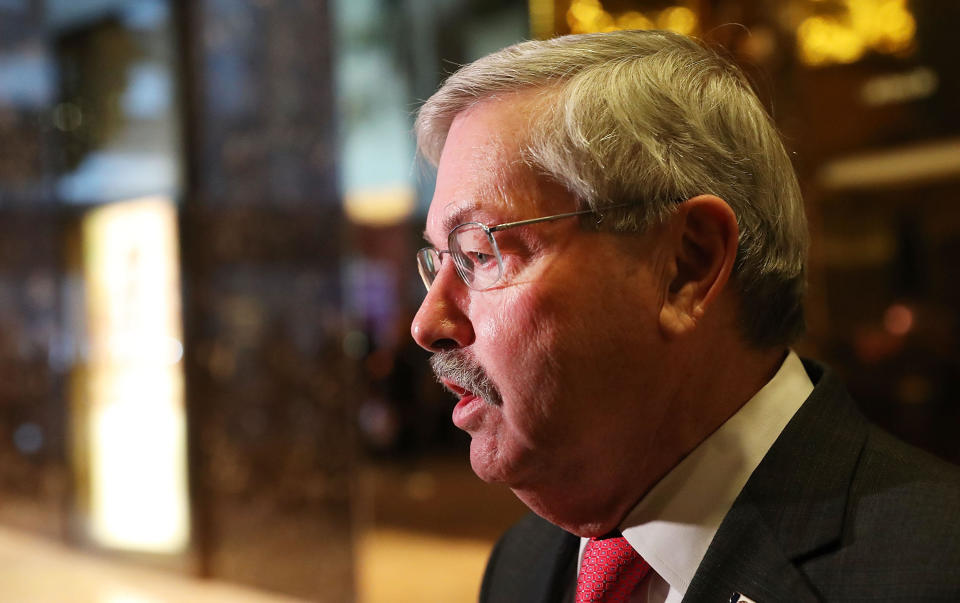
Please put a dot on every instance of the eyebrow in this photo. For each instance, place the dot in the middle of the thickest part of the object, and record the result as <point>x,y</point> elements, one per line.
<point>496,189</point>
<point>459,216</point>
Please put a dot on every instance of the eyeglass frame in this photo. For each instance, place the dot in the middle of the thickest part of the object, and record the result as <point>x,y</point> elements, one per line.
<point>489,230</point>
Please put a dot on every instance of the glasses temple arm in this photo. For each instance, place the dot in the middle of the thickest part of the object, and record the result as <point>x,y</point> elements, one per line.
<point>558,217</point>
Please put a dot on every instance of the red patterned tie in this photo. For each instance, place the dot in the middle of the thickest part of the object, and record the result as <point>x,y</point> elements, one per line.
<point>610,570</point>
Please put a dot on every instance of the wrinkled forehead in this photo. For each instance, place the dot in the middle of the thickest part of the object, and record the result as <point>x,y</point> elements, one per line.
<point>482,174</point>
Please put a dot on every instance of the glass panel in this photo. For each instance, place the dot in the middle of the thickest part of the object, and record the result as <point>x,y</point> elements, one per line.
<point>115,117</point>
<point>134,403</point>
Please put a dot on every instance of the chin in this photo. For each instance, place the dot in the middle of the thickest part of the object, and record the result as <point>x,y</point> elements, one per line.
<point>492,473</point>
<point>490,465</point>
<point>567,513</point>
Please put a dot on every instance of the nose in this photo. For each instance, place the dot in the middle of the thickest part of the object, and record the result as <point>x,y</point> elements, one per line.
<point>440,323</point>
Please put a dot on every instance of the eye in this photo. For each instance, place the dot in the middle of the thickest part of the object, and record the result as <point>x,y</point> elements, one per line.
<point>479,258</point>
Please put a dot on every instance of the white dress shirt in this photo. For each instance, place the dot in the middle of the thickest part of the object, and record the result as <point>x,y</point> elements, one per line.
<point>672,526</point>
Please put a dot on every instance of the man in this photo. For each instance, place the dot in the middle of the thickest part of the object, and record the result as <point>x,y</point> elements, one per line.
<point>615,275</point>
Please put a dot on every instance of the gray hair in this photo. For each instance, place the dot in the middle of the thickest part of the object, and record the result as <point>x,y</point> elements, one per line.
<point>653,116</point>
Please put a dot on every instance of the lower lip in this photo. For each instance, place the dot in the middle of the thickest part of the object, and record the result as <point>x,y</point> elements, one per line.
<point>466,414</point>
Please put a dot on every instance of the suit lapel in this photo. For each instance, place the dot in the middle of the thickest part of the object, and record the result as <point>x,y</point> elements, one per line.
<point>745,557</point>
<point>553,574</point>
<point>792,507</point>
<point>534,562</point>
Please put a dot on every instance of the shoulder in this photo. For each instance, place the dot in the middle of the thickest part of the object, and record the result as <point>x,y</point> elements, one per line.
<point>892,482</point>
<point>906,496</point>
<point>859,513</point>
<point>900,467</point>
<point>532,561</point>
<point>900,534</point>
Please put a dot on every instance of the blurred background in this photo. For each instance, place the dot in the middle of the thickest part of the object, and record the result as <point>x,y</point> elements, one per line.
<point>208,217</point>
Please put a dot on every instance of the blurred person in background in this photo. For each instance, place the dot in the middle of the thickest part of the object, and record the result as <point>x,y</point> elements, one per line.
<point>615,276</point>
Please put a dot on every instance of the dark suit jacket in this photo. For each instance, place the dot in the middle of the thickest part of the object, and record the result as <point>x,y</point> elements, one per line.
<point>837,510</point>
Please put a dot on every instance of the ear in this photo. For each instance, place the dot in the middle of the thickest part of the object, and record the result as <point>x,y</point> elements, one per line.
<point>703,237</point>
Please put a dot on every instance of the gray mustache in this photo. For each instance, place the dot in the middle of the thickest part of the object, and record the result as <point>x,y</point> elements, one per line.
<point>460,368</point>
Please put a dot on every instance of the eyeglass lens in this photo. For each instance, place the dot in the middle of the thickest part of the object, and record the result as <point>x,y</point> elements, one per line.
<point>476,255</point>
<point>428,264</point>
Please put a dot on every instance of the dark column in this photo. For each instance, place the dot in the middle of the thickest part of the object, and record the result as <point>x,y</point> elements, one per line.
<point>267,387</point>
<point>34,479</point>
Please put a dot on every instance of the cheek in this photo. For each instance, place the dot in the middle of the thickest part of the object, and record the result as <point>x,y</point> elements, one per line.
<point>519,343</point>
<point>510,323</point>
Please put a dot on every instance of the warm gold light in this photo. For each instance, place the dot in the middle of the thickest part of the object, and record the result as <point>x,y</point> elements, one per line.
<point>679,19</point>
<point>824,41</point>
<point>634,20</point>
<point>897,27</point>
<point>585,16</point>
<point>885,26</point>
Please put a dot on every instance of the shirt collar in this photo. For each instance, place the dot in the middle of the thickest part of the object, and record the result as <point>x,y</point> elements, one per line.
<point>672,526</point>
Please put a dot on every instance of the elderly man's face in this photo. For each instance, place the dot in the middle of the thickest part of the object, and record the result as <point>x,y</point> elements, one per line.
<point>566,345</point>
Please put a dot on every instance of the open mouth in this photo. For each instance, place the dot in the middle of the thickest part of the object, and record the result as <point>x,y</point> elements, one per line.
<point>468,412</point>
<point>463,376</point>
<point>455,389</point>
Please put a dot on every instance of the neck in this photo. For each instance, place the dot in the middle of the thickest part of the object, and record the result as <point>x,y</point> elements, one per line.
<point>729,380</point>
<point>709,389</point>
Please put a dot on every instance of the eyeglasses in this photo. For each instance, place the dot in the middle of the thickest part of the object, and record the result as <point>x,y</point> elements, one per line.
<point>475,252</point>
